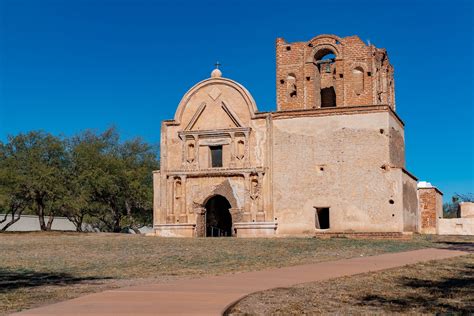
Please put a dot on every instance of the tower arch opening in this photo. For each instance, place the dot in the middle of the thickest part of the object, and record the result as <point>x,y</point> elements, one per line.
<point>325,78</point>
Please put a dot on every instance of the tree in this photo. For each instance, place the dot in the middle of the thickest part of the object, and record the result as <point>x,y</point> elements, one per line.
<point>12,197</point>
<point>111,181</point>
<point>89,177</point>
<point>32,174</point>
<point>452,209</point>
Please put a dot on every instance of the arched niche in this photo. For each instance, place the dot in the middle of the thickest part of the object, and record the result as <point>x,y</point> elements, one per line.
<point>358,80</point>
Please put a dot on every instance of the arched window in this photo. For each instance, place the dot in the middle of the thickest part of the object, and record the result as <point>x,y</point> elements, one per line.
<point>358,80</point>
<point>291,86</point>
<point>325,80</point>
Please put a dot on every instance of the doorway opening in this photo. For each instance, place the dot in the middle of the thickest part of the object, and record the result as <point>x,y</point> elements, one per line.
<point>218,218</point>
<point>322,218</point>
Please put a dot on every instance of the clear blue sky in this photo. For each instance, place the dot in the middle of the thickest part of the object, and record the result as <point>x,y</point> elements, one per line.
<point>68,65</point>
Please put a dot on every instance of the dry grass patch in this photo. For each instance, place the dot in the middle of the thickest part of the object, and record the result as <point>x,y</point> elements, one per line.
<point>41,268</point>
<point>445,286</point>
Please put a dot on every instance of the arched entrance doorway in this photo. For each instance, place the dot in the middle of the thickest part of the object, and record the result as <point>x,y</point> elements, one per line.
<point>218,218</point>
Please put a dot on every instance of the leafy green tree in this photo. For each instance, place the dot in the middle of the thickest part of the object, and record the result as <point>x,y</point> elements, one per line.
<point>12,197</point>
<point>111,182</point>
<point>90,177</point>
<point>32,174</point>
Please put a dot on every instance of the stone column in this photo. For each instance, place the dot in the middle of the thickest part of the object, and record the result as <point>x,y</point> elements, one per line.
<point>232,150</point>
<point>247,150</point>
<point>170,201</point>
<point>236,214</point>
<point>184,152</point>
<point>260,211</point>
<point>183,217</point>
<point>196,147</point>
<point>200,212</point>
<point>247,217</point>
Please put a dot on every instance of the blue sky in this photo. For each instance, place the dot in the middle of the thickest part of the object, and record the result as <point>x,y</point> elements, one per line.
<point>66,66</point>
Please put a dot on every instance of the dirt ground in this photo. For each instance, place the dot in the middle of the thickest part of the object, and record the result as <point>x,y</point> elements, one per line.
<point>445,286</point>
<point>42,268</point>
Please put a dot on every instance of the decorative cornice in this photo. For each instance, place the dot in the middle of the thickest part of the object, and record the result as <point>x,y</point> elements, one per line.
<point>214,172</point>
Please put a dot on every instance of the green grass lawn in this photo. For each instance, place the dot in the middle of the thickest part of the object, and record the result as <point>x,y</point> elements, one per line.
<point>41,268</point>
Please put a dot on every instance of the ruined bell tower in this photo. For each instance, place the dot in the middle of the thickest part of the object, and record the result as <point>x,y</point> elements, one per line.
<point>329,71</point>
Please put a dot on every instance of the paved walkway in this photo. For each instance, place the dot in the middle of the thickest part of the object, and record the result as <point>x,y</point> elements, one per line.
<point>212,295</point>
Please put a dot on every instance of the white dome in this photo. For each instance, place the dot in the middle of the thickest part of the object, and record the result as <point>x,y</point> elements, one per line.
<point>216,73</point>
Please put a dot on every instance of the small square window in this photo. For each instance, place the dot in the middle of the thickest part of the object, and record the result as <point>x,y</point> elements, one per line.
<point>322,218</point>
<point>216,156</point>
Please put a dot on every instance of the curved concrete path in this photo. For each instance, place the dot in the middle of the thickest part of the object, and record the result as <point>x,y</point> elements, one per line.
<point>212,295</point>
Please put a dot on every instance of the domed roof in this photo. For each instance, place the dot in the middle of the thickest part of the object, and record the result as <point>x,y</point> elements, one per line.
<point>216,73</point>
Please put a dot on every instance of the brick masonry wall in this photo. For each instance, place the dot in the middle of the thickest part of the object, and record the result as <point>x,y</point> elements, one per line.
<point>299,59</point>
<point>428,205</point>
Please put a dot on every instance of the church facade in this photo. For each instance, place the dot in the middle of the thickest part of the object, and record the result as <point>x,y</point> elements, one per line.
<point>330,159</point>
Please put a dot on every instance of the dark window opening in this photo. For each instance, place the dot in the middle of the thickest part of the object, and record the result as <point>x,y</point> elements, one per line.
<point>216,156</point>
<point>322,217</point>
<point>288,47</point>
<point>328,97</point>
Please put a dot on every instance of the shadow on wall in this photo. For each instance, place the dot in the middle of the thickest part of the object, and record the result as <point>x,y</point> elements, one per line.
<point>18,279</point>
<point>429,295</point>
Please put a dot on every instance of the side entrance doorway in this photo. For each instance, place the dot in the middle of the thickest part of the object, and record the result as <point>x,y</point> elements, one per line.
<point>218,218</point>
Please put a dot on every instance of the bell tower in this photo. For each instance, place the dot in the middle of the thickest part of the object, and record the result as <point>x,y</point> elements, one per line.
<point>329,71</point>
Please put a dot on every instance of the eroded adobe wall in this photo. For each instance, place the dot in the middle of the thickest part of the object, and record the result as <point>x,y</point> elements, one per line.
<point>341,162</point>
<point>360,74</point>
<point>410,203</point>
<point>396,135</point>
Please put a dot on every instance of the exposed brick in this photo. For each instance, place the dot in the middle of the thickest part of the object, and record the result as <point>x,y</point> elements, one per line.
<point>353,56</point>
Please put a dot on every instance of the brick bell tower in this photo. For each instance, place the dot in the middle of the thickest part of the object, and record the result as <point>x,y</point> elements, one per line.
<point>329,71</point>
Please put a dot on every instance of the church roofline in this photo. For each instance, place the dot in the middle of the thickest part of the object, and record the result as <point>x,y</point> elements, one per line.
<point>234,84</point>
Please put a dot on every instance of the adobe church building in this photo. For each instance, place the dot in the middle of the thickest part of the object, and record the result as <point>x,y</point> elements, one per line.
<point>330,159</point>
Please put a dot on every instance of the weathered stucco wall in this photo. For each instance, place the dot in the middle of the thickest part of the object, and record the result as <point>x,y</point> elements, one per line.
<point>341,162</point>
<point>410,203</point>
<point>396,136</point>
<point>467,209</point>
<point>456,226</point>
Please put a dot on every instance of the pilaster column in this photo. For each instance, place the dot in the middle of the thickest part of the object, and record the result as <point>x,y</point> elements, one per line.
<point>200,212</point>
<point>246,217</point>
<point>232,149</point>
<point>246,155</point>
<point>260,211</point>
<point>170,218</point>
<point>183,217</point>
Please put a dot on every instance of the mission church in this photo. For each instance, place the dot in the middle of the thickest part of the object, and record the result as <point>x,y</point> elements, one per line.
<point>330,159</point>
